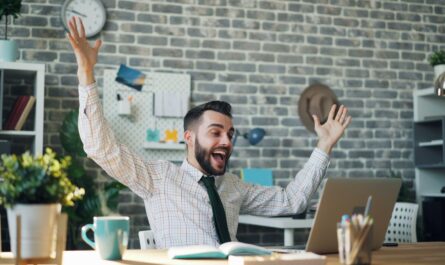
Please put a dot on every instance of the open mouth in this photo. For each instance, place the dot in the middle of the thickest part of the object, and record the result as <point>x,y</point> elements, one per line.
<point>219,156</point>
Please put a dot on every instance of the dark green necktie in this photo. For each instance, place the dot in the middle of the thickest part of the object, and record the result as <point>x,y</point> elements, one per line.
<point>219,216</point>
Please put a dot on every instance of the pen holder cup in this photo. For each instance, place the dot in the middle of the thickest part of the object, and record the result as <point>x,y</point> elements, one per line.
<point>355,247</point>
<point>124,107</point>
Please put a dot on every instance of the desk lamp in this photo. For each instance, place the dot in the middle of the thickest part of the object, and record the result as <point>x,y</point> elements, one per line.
<point>254,136</point>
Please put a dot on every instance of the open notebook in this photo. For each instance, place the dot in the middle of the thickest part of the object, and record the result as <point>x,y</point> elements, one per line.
<point>221,252</point>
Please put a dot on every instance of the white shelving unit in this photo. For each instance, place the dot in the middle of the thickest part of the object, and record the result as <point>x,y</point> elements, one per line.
<point>429,109</point>
<point>35,74</point>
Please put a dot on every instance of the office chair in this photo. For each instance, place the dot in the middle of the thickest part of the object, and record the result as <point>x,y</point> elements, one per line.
<point>402,227</point>
<point>146,239</point>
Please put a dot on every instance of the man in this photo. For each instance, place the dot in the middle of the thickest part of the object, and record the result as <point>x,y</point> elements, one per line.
<point>198,202</point>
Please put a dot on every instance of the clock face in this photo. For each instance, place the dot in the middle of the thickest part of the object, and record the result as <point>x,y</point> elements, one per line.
<point>92,13</point>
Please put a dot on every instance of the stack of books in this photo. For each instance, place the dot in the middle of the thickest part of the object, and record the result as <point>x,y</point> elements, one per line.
<point>19,113</point>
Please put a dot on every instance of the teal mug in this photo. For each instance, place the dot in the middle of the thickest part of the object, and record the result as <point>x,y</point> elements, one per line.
<point>110,236</point>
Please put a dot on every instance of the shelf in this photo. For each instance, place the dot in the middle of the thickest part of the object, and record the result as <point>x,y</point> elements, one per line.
<point>438,142</point>
<point>164,146</point>
<point>433,195</point>
<point>18,133</point>
<point>426,166</point>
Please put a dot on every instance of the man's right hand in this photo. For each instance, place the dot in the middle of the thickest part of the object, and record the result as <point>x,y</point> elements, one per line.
<point>86,55</point>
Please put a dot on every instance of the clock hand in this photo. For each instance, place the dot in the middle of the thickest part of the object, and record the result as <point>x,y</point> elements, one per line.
<point>76,12</point>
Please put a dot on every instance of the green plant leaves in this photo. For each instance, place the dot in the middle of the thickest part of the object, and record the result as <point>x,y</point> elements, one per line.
<point>69,135</point>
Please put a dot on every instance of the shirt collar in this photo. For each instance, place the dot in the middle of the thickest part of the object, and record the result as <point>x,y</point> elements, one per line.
<point>191,170</point>
<point>195,173</point>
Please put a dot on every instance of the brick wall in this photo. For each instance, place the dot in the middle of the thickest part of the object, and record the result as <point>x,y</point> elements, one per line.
<point>259,56</point>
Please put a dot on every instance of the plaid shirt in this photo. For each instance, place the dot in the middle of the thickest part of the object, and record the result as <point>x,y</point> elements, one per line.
<point>177,204</point>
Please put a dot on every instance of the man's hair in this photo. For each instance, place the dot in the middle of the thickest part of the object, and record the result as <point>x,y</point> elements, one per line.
<point>195,113</point>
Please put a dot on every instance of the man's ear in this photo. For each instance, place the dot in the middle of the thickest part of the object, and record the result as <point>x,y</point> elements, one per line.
<point>188,137</point>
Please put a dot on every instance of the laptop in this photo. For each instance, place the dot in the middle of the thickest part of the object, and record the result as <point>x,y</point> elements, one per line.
<point>348,196</point>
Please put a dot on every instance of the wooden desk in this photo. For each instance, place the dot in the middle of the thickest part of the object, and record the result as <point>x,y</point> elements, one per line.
<point>287,223</point>
<point>420,253</point>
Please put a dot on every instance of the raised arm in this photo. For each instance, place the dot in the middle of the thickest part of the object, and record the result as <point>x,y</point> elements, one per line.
<point>98,139</point>
<point>294,198</point>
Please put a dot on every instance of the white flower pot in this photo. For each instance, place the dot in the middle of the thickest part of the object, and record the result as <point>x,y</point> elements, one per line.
<point>39,226</point>
<point>9,51</point>
<point>438,69</point>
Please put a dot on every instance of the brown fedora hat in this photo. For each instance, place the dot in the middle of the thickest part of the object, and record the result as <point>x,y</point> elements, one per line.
<point>316,99</point>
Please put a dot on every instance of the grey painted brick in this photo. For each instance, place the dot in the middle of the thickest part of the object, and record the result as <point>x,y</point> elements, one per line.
<point>329,10</point>
<point>245,45</point>
<point>242,89</point>
<point>35,55</point>
<point>136,6</point>
<point>346,22</point>
<point>318,20</point>
<point>275,27</point>
<point>273,89</point>
<point>347,42</point>
<point>47,33</point>
<point>276,69</point>
<point>152,40</point>
<point>291,38</point>
<point>260,15</point>
<point>360,13</point>
<point>161,8</point>
<point>376,84</point>
<point>166,30</point>
<point>230,12</point>
<point>320,40</point>
<point>380,14</point>
<point>231,56</point>
<point>180,64</point>
<point>303,8</point>
<point>134,50</point>
<point>138,28</point>
<point>361,53</point>
<point>293,59</point>
<point>376,64</point>
<point>261,79</point>
<point>232,34</point>
<point>310,60</point>
<point>152,18</point>
<point>120,15</point>
<point>200,54</point>
<point>145,62</point>
<point>335,31</point>
<point>167,52</point>
<point>266,36</point>
<point>196,75</point>
<point>420,9</point>
<point>245,24</point>
<point>232,78</point>
<point>292,80</point>
<point>261,57</point>
<point>294,18</point>
<point>184,42</point>
<point>211,66</point>
<point>31,21</point>
<point>282,48</point>
<point>346,62</point>
<point>213,88</point>
<point>184,20</point>
<point>118,38</point>
<point>242,67</point>
<point>302,70</point>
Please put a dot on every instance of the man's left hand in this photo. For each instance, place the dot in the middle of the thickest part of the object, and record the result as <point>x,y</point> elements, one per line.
<point>332,130</point>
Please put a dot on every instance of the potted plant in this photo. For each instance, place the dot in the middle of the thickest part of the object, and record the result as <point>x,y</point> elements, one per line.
<point>437,60</point>
<point>97,201</point>
<point>35,188</point>
<point>8,48</point>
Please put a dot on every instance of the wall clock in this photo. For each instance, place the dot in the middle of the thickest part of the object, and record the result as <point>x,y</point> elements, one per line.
<point>92,13</point>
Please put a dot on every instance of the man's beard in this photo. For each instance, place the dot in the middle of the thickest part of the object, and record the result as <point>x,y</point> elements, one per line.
<point>203,157</point>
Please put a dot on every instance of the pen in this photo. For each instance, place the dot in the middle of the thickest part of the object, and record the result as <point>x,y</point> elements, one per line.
<point>368,206</point>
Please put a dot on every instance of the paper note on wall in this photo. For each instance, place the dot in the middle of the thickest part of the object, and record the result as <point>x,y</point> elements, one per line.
<point>168,104</point>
